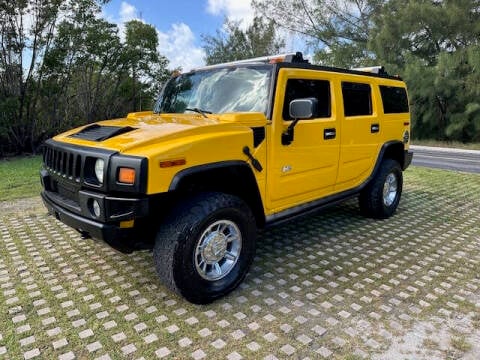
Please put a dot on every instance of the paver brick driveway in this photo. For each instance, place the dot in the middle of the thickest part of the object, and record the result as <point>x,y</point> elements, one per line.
<point>329,285</point>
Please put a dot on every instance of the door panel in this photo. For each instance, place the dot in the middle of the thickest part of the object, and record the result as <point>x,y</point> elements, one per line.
<point>361,134</point>
<point>307,165</point>
<point>306,169</point>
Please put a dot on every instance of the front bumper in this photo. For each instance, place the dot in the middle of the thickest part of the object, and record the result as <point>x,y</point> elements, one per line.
<point>118,236</point>
<point>93,228</point>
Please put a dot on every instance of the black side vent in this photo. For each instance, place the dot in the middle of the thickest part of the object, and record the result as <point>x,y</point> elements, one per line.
<point>97,132</point>
<point>258,135</point>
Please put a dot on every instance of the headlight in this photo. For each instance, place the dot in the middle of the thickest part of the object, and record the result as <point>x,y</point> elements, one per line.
<point>99,167</point>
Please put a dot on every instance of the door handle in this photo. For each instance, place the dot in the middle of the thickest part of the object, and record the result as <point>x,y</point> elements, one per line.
<point>329,134</point>
<point>374,128</point>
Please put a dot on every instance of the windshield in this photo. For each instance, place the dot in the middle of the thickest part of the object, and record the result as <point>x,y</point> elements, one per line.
<point>222,90</point>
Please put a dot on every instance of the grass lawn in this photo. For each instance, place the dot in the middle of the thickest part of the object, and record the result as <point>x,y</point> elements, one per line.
<point>20,178</point>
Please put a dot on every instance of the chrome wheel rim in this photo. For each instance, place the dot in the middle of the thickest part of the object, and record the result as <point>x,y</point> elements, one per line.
<point>390,189</point>
<point>218,250</point>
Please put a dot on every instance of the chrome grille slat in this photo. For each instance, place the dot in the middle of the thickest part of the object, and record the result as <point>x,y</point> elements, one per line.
<point>63,163</point>
<point>70,166</point>
<point>78,167</point>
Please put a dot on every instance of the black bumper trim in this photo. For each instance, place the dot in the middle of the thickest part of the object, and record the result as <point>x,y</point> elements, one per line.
<point>79,202</point>
<point>112,234</point>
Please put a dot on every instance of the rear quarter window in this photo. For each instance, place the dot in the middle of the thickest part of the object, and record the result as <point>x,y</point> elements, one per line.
<point>394,99</point>
<point>357,99</point>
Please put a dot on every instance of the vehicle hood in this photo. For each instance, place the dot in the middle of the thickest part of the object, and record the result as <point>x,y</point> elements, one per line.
<point>140,129</point>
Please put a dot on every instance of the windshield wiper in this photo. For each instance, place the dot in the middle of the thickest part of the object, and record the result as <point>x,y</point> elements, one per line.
<point>200,111</point>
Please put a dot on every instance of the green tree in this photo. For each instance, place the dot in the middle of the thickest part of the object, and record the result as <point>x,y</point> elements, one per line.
<point>260,39</point>
<point>143,59</point>
<point>67,66</point>
<point>337,30</point>
<point>27,30</point>
<point>79,70</point>
<point>435,45</point>
<point>101,76</point>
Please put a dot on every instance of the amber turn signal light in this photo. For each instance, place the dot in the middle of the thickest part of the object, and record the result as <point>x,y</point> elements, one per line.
<point>276,60</point>
<point>170,163</point>
<point>126,176</point>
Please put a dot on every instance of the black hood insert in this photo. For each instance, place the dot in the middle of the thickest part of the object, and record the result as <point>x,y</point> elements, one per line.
<point>97,132</point>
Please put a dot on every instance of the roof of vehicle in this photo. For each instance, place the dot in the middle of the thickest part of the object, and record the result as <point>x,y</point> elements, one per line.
<point>296,60</point>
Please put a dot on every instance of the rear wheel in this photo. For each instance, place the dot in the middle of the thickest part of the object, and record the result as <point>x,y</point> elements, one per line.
<point>205,248</point>
<point>381,196</point>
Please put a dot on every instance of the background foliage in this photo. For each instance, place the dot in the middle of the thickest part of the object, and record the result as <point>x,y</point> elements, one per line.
<point>233,43</point>
<point>62,64</point>
<point>433,44</point>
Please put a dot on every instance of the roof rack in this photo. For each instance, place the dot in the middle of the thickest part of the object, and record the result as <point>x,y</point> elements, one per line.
<point>294,57</point>
<point>380,70</point>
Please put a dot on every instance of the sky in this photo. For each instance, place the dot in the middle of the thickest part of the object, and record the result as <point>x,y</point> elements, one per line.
<point>180,24</point>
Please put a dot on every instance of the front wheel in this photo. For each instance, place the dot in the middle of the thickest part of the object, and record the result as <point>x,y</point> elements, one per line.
<point>381,196</point>
<point>205,248</point>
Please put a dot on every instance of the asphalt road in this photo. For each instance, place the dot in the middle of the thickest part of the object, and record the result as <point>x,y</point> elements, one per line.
<point>445,158</point>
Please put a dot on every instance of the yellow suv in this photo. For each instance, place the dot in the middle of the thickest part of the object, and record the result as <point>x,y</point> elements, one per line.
<point>228,149</point>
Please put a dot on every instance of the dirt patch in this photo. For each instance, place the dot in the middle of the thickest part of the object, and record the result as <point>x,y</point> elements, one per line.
<point>436,339</point>
<point>33,206</point>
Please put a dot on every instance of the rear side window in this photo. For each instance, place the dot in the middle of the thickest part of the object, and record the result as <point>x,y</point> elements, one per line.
<point>357,99</point>
<point>301,89</point>
<point>394,99</point>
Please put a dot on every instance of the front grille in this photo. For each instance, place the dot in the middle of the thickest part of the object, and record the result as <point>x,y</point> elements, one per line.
<point>63,163</point>
<point>74,166</point>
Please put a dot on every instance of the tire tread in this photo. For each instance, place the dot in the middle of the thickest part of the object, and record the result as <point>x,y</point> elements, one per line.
<point>182,220</point>
<point>371,198</point>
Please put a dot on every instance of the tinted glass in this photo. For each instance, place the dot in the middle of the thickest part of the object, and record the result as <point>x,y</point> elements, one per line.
<point>394,99</point>
<point>301,89</point>
<point>357,99</point>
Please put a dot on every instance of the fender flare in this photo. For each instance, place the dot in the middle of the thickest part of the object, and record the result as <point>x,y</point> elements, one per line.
<point>381,155</point>
<point>246,186</point>
<point>183,174</point>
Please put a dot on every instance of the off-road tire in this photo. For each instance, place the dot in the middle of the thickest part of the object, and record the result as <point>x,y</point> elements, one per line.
<point>371,198</point>
<point>177,238</point>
